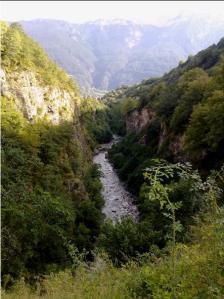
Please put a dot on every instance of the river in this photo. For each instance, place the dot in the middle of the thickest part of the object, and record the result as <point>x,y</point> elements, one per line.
<point>119,203</point>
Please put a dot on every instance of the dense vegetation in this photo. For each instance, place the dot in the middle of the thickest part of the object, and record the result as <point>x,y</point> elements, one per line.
<point>51,200</point>
<point>188,125</point>
<point>19,52</point>
<point>94,117</point>
<point>198,269</point>
<point>50,195</point>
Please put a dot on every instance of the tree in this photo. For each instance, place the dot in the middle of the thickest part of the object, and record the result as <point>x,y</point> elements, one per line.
<point>12,46</point>
<point>205,132</point>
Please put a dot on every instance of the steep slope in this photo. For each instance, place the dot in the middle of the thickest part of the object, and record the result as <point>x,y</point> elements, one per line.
<point>51,202</point>
<point>179,117</point>
<point>104,55</point>
<point>33,80</point>
<point>169,122</point>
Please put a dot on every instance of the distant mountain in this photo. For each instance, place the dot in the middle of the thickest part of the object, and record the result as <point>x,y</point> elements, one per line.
<point>103,55</point>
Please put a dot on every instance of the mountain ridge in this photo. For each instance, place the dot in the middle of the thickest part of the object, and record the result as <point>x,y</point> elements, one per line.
<point>103,56</point>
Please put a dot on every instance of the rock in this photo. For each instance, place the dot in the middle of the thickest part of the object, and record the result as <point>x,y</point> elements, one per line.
<point>118,201</point>
<point>36,101</point>
<point>137,120</point>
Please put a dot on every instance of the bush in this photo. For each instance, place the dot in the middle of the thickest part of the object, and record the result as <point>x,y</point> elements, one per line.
<point>49,192</point>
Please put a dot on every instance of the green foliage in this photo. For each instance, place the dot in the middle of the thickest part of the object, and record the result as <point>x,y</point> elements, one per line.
<point>197,274</point>
<point>19,52</point>
<point>35,225</point>
<point>171,197</point>
<point>160,192</point>
<point>119,104</point>
<point>51,201</point>
<point>49,191</point>
<point>188,122</point>
<point>186,101</point>
<point>94,119</point>
<point>205,132</point>
<point>126,240</point>
<point>116,118</point>
<point>88,221</point>
<point>130,158</point>
<point>129,104</point>
<point>178,190</point>
<point>192,89</point>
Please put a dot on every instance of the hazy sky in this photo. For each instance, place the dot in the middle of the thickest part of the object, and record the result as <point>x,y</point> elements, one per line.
<point>80,11</point>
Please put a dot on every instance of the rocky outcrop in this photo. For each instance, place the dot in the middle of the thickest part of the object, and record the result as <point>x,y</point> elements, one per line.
<point>174,144</point>
<point>37,101</point>
<point>162,136</point>
<point>138,120</point>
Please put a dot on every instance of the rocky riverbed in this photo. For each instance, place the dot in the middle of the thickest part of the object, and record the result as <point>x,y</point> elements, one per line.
<point>119,202</point>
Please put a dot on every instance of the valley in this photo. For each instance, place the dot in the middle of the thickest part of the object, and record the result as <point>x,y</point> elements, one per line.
<point>102,55</point>
<point>117,197</point>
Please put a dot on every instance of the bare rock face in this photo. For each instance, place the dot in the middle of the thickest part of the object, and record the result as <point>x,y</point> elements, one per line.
<point>36,101</point>
<point>177,145</point>
<point>173,143</point>
<point>162,136</point>
<point>138,120</point>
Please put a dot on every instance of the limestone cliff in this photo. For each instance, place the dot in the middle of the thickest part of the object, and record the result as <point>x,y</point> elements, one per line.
<point>37,101</point>
<point>137,120</point>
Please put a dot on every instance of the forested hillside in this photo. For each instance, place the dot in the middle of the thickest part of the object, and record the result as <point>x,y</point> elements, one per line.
<point>178,117</point>
<point>56,242</point>
<point>51,200</point>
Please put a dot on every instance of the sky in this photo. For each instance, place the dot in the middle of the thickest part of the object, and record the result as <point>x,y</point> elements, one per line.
<point>153,12</point>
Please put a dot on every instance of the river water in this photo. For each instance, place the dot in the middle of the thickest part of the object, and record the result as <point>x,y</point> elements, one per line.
<point>119,202</point>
